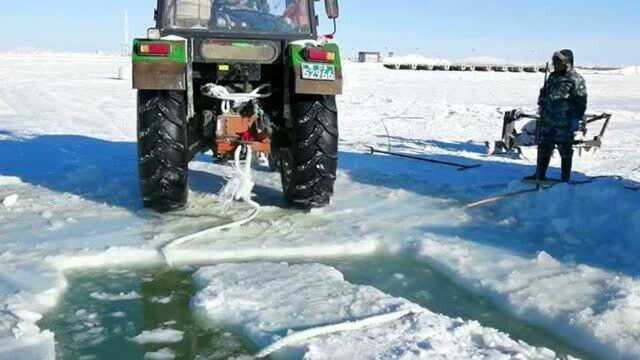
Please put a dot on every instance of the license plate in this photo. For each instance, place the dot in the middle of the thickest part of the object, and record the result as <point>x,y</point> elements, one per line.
<point>318,72</point>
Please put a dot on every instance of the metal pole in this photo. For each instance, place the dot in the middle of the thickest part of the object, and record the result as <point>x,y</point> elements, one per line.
<point>539,127</point>
<point>461,167</point>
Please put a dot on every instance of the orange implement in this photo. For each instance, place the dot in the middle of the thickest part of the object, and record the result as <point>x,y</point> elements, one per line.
<point>234,130</point>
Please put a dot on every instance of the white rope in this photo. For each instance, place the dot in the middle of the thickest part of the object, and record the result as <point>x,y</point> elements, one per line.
<point>234,100</point>
<point>304,335</point>
<point>238,188</point>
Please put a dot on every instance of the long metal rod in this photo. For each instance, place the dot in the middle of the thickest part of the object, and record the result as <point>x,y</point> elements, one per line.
<point>497,198</point>
<point>461,167</point>
<point>541,186</point>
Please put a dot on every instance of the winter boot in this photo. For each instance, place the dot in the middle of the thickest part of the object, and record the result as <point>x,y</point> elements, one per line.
<point>543,164</point>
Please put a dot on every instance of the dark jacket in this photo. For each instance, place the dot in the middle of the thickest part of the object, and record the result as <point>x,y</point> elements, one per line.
<point>563,103</point>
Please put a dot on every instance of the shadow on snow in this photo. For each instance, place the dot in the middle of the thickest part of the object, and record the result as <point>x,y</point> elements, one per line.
<point>106,172</point>
<point>96,170</point>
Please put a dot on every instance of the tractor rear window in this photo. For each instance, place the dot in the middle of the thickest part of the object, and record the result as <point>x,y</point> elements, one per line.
<point>245,16</point>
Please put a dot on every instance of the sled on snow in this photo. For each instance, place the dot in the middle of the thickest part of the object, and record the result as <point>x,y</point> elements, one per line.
<point>513,140</point>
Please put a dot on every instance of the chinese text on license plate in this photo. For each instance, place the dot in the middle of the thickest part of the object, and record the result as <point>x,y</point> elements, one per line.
<point>318,71</point>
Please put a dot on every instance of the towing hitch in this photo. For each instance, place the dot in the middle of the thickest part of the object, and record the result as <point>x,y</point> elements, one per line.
<point>242,122</point>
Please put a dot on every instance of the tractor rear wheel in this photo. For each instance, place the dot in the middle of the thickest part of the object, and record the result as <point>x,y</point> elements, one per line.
<point>163,154</point>
<point>309,164</point>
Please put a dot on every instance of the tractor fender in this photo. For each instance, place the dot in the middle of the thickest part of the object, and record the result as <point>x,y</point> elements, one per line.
<point>297,61</point>
<point>160,72</point>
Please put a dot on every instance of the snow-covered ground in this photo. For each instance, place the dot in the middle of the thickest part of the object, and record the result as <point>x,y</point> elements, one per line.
<point>564,259</point>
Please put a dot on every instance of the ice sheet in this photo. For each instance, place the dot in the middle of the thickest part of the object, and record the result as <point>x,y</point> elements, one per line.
<point>159,336</point>
<point>269,301</point>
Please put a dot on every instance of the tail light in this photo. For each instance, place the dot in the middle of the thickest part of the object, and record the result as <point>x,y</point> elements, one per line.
<point>154,49</point>
<point>320,55</point>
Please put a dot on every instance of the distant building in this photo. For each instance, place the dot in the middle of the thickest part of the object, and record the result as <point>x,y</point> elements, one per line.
<point>369,57</point>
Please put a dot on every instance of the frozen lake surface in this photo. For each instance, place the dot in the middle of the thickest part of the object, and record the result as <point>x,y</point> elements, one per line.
<point>555,269</point>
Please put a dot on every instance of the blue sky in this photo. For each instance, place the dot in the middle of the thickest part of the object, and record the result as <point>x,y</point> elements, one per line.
<point>600,32</point>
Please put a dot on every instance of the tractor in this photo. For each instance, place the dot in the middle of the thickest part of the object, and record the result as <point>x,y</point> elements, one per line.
<point>231,75</point>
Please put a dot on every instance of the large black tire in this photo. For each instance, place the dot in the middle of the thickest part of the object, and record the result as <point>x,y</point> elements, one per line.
<point>163,154</point>
<point>308,166</point>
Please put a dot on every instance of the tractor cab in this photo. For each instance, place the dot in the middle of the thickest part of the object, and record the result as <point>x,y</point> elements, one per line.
<point>258,17</point>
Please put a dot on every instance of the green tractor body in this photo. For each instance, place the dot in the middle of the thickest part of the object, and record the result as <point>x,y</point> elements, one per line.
<point>216,75</point>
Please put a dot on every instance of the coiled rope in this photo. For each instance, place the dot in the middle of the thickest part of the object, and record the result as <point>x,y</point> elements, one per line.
<point>239,188</point>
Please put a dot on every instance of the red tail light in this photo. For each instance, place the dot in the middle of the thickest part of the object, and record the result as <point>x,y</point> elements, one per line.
<point>315,54</point>
<point>154,49</point>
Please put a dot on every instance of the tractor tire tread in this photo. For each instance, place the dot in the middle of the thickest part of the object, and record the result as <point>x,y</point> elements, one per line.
<point>162,149</point>
<point>309,173</point>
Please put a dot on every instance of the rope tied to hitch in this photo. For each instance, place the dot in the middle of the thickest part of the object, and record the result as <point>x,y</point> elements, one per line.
<point>234,100</point>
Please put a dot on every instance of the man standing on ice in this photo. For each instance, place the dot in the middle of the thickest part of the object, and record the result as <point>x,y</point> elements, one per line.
<point>563,103</point>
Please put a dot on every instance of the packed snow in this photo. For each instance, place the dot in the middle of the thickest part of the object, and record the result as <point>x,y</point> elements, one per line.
<point>563,259</point>
<point>273,303</point>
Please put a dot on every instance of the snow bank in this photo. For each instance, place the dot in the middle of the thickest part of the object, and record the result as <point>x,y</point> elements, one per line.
<point>208,254</point>
<point>589,307</point>
<point>594,306</point>
<point>268,302</point>
<point>631,70</point>
<point>159,336</point>
<point>414,60</point>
